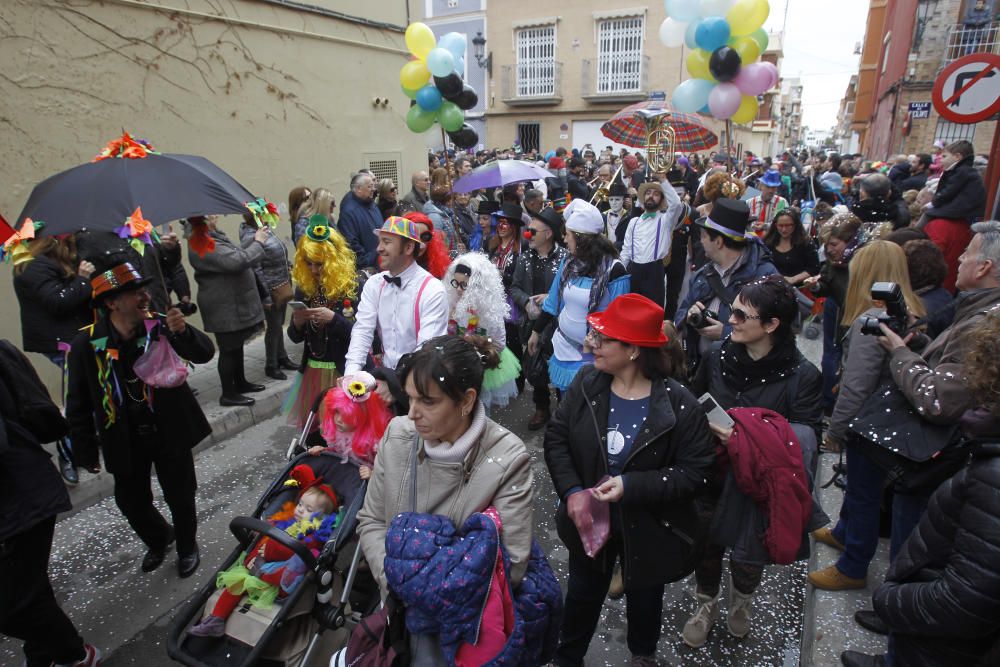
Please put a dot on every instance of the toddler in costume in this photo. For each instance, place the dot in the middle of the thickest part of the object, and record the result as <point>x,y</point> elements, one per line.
<point>271,570</point>
<point>354,419</point>
<point>479,306</point>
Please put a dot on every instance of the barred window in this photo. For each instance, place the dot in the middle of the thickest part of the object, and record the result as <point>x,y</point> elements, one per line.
<point>536,61</point>
<point>948,132</point>
<point>619,54</point>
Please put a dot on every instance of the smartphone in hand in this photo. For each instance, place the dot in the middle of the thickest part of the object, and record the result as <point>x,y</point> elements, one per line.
<point>716,415</point>
<point>297,305</point>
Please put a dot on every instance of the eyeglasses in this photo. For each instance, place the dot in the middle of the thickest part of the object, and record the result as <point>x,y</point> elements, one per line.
<point>458,285</point>
<point>426,237</point>
<point>741,316</point>
<point>595,340</point>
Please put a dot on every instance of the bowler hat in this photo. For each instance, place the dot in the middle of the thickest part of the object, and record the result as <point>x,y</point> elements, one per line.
<point>633,319</point>
<point>512,213</point>
<point>550,217</point>
<point>487,206</point>
<point>729,217</point>
<point>120,278</point>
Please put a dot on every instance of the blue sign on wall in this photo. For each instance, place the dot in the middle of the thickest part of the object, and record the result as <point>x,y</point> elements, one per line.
<point>920,110</point>
<point>658,95</point>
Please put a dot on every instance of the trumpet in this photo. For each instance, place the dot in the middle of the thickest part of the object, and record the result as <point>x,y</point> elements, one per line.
<point>660,139</point>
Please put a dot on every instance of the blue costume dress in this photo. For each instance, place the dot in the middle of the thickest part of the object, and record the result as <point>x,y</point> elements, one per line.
<point>571,308</point>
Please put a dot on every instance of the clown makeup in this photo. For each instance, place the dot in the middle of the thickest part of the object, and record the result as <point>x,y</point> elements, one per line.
<point>616,203</point>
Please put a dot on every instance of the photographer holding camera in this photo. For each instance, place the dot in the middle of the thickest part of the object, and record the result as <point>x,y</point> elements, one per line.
<point>734,261</point>
<point>878,271</point>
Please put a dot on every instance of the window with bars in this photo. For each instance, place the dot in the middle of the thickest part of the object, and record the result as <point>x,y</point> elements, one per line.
<point>619,54</point>
<point>948,132</point>
<point>536,61</point>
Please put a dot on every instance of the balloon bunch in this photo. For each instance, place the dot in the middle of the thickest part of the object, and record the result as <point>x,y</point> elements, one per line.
<point>726,38</point>
<point>447,97</point>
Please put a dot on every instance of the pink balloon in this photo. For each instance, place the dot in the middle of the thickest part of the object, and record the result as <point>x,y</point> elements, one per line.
<point>772,70</point>
<point>724,100</point>
<point>753,79</point>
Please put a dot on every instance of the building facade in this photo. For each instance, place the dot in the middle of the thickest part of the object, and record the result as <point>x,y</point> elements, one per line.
<point>845,139</point>
<point>920,38</point>
<point>278,94</point>
<point>871,50</point>
<point>791,112</point>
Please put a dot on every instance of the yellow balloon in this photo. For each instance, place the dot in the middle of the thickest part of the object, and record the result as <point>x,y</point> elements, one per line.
<point>747,15</point>
<point>697,64</point>
<point>414,75</point>
<point>747,111</point>
<point>748,49</point>
<point>420,39</point>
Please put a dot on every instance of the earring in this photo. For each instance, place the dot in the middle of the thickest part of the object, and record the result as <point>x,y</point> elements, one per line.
<point>465,412</point>
<point>633,357</point>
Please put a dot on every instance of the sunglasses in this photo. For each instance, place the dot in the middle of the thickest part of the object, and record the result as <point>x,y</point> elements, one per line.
<point>595,340</point>
<point>426,237</point>
<point>458,285</point>
<point>741,316</point>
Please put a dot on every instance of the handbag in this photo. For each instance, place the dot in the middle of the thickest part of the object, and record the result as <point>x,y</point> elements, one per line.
<point>281,294</point>
<point>916,454</point>
<point>381,638</point>
<point>536,366</point>
<point>160,366</point>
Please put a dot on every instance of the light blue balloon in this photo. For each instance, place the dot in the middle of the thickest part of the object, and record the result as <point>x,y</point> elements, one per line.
<point>712,33</point>
<point>460,67</point>
<point>690,39</point>
<point>454,43</point>
<point>692,95</point>
<point>705,110</point>
<point>440,62</point>
<point>429,98</point>
<point>683,10</point>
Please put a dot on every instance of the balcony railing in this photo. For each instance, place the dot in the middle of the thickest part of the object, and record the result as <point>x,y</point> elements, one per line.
<point>531,83</point>
<point>615,79</point>
<point>964,40</point>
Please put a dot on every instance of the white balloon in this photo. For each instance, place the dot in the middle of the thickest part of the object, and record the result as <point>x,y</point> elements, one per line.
<point>714,7</point>
<point>672,33</point>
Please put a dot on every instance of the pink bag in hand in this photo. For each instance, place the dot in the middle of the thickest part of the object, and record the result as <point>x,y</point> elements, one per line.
<point>592,518</point>
<point>161,367</point>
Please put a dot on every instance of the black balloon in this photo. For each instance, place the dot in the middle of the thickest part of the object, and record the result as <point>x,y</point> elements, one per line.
<point>449,85</point>
<point>465,137</point>
<point>725,63</point>
<point>466,99</point>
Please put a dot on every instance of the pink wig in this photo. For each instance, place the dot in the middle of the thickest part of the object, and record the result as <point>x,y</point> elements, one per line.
<point>368,418</point>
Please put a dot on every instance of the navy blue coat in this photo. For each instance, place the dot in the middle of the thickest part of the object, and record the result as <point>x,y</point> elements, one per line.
<point>358,223</point>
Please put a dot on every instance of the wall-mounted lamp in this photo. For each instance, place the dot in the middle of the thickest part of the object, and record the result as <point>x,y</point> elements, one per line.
<point>479,49</point>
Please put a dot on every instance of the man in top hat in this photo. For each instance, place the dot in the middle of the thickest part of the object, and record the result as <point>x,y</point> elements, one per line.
<point>734,260</point>
<point>404,303</point>
<point>616,214</point>
<point>536,269</point>
<point>768,203</point>
<point>139,426</point>
<point>648,238</point>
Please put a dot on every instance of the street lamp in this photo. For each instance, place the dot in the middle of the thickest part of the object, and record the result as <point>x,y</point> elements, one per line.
<point>479,47</point>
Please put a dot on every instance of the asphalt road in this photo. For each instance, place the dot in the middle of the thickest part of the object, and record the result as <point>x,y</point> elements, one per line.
<point>95,567</point>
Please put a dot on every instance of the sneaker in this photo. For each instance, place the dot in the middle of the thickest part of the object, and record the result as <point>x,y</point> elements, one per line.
<point>696,630</point>
<point>210,626</point>
<point>738,616</point>
<point>92,658</point>
<point>832,579</point>
<point>825,536</point>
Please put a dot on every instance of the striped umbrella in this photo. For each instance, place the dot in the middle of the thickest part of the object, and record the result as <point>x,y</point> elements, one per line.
<point>626,127</point>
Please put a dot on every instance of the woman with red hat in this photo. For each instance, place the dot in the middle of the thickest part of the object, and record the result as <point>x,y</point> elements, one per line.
<point>626,433</point>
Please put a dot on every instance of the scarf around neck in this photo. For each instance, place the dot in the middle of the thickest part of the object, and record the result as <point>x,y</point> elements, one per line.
<point>740,371</point>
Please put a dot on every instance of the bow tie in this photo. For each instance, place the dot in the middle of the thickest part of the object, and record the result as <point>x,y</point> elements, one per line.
<point>397,281</point>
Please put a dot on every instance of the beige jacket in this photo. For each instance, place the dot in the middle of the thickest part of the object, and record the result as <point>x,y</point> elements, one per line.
<point>500,475</point>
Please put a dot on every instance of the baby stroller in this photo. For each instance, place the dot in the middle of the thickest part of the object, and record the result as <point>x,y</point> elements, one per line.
<point>332,595</point>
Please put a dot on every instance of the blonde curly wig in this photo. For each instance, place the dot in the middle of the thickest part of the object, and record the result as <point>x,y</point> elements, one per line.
<point>721,184</point>
<point>338,277</point>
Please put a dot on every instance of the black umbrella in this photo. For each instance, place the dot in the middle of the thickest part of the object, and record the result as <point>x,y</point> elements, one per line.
<point>103,194</point>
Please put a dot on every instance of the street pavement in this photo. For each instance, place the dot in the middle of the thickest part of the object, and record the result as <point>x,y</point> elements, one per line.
<point>95,567</point>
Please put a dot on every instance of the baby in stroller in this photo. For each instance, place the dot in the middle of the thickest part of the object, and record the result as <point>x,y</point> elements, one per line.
<point>270,569</point>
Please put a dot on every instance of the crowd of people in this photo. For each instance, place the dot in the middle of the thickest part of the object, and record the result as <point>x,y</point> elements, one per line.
<point>660,308</point>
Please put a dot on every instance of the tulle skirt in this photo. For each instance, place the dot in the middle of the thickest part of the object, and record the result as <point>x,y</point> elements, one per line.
<point>318,376</point>
<point>499,384</point>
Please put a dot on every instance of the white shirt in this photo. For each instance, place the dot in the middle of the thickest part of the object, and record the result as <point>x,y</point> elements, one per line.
<point>392,311</point>
<point>648,239</point>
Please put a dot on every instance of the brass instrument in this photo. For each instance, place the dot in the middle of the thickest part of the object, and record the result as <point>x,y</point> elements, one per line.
<point>660,139</point>
<point>600,195</point>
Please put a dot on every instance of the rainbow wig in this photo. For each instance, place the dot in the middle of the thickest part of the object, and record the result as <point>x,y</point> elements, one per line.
<point>338,277</point>
<point>369,419</point>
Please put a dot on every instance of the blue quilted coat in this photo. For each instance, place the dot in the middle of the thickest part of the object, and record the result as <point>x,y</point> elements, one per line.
<point>443,574</point>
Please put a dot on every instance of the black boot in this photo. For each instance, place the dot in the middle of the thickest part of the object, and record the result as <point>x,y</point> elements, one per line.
<point>287,364</point>
<point>274,373</point>
<point>66,464</point>
<point>227,375</point>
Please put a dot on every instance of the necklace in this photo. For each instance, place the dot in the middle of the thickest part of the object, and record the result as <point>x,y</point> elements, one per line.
<point>142,390</point>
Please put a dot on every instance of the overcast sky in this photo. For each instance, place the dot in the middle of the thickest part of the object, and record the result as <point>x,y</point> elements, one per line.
<point>819,48</point>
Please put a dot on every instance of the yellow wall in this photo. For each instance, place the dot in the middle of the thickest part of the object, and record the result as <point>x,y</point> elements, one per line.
<point>275,96</point>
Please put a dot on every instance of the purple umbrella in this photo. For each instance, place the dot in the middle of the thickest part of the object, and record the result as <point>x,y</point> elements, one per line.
<point>500,173</point>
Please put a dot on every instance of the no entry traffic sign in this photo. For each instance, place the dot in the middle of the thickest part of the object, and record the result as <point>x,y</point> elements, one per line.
<point>968,90</point>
